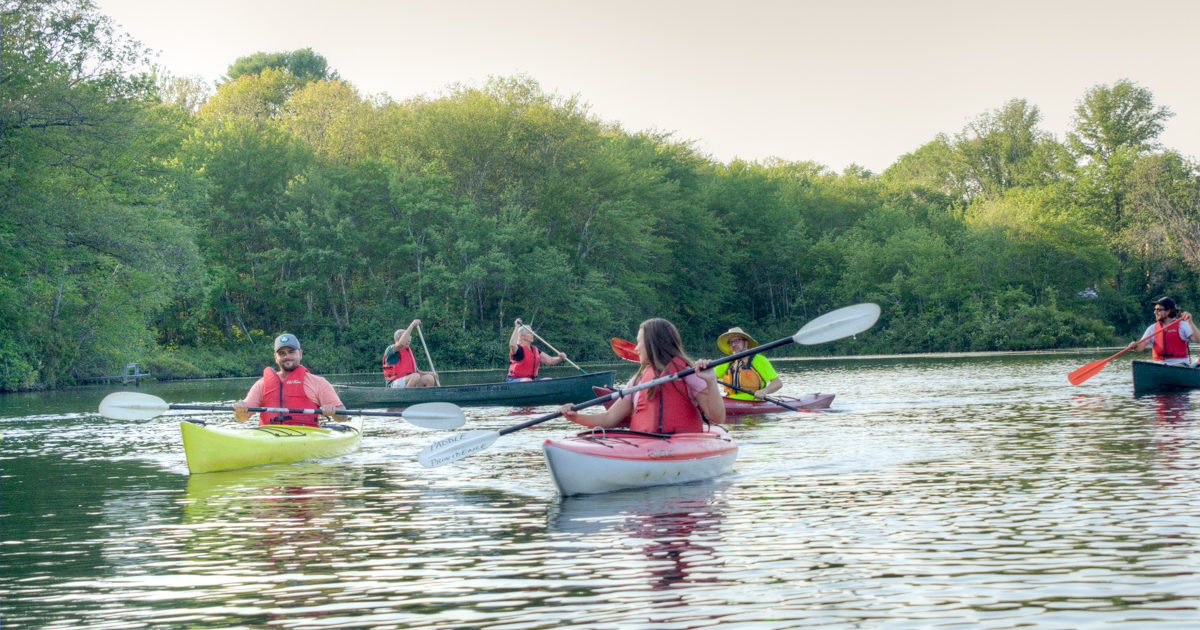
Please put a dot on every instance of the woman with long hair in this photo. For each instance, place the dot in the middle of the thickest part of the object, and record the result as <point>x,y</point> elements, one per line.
<point>678,406</point>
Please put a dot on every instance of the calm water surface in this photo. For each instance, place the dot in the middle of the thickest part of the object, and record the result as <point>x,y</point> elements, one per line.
<point>956,492</point>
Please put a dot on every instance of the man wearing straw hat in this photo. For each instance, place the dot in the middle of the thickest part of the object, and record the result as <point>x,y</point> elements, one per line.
<point>399,364</point>
<point>753,373</point>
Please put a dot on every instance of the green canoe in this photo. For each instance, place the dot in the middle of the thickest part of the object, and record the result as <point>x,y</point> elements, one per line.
<point>1154,376</point>
<point>547,391</point>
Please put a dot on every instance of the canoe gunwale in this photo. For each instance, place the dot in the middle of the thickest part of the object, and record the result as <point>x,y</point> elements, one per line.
<point>518,393</point>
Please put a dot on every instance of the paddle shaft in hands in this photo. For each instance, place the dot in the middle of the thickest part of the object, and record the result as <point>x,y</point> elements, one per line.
<point>837,324</point>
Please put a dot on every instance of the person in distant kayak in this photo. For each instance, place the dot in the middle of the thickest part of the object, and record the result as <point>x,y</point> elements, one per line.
<point>1171,346</point>
<point>753,373</point>
<point>524,358</point>
<point>399,364</point>
<point>292,387</point>
<point>678,406</point>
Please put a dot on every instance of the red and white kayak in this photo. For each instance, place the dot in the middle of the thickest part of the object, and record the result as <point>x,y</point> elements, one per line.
<point>739,407</point>
<point>604,460</point>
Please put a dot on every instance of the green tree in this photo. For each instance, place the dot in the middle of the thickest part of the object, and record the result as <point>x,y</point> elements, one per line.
<point>303,64</point>
<point>1121,116</point>
<point>93,248</point>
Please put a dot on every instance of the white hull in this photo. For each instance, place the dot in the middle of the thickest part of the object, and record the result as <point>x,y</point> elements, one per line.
<point>578,473</point>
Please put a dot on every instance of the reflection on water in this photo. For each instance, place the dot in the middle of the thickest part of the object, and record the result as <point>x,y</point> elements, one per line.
<point>678,526</point>
<point>943,492</point>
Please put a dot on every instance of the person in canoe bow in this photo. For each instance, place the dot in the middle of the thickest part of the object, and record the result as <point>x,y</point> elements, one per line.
<point>524,358</point>
<point>753,373</point>
<point>1170,347</point>
<point>399,364</point>
<point>292,387</point>
<point>679,406</point>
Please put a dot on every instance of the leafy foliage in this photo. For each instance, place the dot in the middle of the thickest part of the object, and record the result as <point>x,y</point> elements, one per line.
<point>137,224</point>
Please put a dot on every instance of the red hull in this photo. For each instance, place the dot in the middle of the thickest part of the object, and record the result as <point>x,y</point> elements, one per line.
<point>735,407</point>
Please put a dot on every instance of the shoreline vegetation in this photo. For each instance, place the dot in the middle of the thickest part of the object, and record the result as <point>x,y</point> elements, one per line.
<point>599,365</point>
<point>155,219</point>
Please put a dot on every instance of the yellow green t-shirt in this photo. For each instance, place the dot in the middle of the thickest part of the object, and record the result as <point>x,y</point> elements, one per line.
<point>759,364</point>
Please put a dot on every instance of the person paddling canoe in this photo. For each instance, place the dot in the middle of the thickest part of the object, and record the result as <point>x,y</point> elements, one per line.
<point>1170,347</point>
<point>293,386</point>
<point>753,373</point>
<point>524,358</point>
<point>399,364</point>
<point>678,406</point>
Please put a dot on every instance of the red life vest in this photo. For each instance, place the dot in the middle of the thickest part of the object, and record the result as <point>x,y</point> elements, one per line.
<point>290,396</point>
<point>405,366</point>
<point>670,409</point>
<point>1168,345</point>
<point>527,367</point>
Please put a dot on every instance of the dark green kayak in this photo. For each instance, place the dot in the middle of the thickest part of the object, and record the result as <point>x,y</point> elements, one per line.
<point>547,391</point>
<point>1154,376</point>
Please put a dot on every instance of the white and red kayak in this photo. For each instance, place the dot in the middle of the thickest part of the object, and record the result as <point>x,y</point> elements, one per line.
<point>604,460</point>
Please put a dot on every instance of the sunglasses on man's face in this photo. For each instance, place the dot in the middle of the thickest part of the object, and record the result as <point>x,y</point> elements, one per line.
<point>1159,308</point>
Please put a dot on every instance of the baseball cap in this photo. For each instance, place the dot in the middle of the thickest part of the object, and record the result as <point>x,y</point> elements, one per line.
<point>287,340</point>
<point>1165,302</point>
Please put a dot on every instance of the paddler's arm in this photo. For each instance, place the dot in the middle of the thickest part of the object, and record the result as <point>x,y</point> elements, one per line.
<point>611,417</point>
<point>1195,336</point>
<point>771,388</point>
<point>321,391</point>
<point>253,399</point>
<point>709,399</point>
<point>406,337</point>
<point>1140,346</point>
<point>515,339</point>
<point>331,411</point>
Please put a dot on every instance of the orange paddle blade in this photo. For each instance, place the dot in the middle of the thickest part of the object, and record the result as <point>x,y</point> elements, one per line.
<point>1088,371</point>
<point>625,349</point>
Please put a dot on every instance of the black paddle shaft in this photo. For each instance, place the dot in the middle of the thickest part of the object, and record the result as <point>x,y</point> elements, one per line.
<point>621,393</point>
<point>766,398</point>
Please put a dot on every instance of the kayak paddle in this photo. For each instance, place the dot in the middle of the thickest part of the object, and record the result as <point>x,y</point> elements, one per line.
<point>843,322</point>
<point>628,351</point>
<point>625,349</point>
<point>135,406</point>
<point>1088,371</point>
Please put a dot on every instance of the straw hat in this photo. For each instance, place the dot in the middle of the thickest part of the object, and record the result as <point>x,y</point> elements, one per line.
<point>723,340</point>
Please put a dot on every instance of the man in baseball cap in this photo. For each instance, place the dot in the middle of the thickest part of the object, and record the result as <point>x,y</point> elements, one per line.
<point>291,387</point>
<point>287,340</point>
<point>1169,346</point>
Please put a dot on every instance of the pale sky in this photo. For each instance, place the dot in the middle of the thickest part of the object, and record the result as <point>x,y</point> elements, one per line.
<point>831,82</point>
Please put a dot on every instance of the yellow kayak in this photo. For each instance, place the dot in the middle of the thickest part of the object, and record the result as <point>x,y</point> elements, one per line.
<point>226,447</point>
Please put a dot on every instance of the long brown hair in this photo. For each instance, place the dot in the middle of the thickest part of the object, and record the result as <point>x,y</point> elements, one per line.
<point>663,344</point>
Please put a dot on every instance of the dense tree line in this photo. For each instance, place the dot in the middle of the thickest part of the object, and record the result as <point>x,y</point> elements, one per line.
<point>144,217</point>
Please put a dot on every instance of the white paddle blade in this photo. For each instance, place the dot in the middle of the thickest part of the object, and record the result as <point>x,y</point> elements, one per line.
<point>132,406</point>
<point>456,447</point>
<point>435,415</point>
<point>838,324</point>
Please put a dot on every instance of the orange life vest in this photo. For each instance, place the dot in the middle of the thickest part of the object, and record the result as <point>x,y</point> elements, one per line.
<point>405,366</point>
<point>527,367</point>
<point>290,396</point>
<point>1168,345</point>
<point>670,409</point>
<point>742,374</point>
